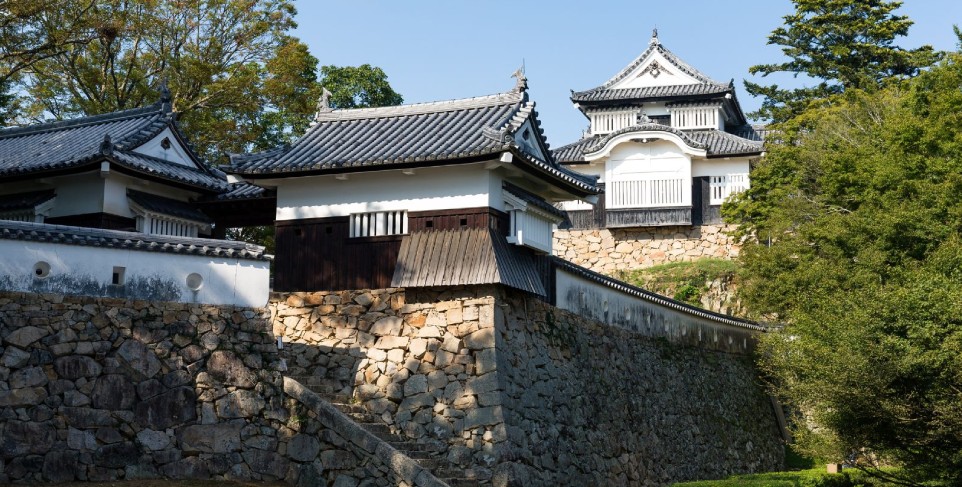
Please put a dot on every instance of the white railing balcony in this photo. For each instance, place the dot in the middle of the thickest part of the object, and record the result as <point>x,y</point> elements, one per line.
<point>607,122</point>
<point>696,118</point>
<point>721,187</point>
<point>647,193</point>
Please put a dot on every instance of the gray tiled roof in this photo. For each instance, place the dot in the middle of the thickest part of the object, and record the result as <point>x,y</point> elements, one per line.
<point>167,206</point>
<point>415,135</point>
<point>725,144</point>
<point>650,92</point>
<point>242,191</point>
<point>40,232</point>
<point>144,164</point>
<point>535,200</point>
<point>706,85</point>
<point>79,143</point>
<point>715,142</point>
<point>464,257</point>
<point>655,298</point>
<point>25,201</point>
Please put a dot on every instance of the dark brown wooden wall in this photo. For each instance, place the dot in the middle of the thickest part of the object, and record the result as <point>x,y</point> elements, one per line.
<point>318,255</point>
<point>95,220</point>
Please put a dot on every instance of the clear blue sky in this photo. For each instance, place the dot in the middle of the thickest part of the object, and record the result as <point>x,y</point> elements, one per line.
<point>444,49</point>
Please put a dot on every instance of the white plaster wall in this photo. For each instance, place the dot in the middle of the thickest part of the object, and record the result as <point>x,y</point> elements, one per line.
<point>602,303</point>
<point>115,193</point>
<point>237,282</point>
<point>440,188</point>
<point>175,153</point>
<point>719,167</point>
<point>669,75</point>
<point>82,193</point>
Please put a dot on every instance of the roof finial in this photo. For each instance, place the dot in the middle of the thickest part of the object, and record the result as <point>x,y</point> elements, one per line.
<point>166,100</point>
<point>106,147</point>
<point>522,84</point>
<point>324,102</point>
<point>654,37</point>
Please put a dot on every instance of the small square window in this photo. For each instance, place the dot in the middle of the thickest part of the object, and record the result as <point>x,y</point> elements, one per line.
<point>464,222</point>
<point>117,278</point>
<point>429,224</point>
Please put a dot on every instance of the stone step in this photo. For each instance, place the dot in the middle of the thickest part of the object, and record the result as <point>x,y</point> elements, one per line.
<point>337,399</point>
<point>412,446</point>
<point>364,417</point>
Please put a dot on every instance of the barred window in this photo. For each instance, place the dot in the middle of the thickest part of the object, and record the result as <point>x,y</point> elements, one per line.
<point>378,223</point>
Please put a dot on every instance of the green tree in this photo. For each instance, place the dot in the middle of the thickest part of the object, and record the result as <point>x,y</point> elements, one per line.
<point>358,87</point>
<point>861,257</point>
<point>839,44</point>
<point>216,56</point>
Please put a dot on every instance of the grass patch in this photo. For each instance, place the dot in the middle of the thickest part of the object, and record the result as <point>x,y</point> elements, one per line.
<point>683,281</point>
<point>816,477</point>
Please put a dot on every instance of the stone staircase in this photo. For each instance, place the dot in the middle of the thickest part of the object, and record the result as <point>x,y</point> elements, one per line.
<point>428,456</point>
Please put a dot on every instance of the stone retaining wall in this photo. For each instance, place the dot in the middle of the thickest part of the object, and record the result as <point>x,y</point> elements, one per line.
<point>423,361</point>
<point>610,250</point>
<point>590,404</point>
<point>98,389</point>
<point>528,394</point>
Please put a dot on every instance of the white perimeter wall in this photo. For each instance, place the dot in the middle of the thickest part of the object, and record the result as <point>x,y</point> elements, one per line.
<point>439,188</point>
<point>602,303</point>
<point>89,270</point>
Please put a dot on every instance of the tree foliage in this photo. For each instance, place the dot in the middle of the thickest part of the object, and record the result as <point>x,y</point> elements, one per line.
<point>860,254</point>
<point>840,44</point>
<point>239,80</point>
<point>358,87</point>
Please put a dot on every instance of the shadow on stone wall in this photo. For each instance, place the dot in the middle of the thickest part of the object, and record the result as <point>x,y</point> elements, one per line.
<point>99,389</point>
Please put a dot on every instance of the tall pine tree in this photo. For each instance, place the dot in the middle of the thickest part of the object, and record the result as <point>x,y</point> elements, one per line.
<point>839,44</point>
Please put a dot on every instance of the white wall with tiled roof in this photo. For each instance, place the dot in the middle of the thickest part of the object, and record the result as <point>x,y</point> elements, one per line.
<point>424,189</point>
<point>158,276</point>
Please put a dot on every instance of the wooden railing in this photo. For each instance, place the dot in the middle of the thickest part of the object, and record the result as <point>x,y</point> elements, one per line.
<point>645,193</point>
<point>695,118</point>
<point>605,123</point>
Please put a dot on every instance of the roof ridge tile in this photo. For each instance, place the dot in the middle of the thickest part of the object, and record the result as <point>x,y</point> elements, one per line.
<point>80,121</point>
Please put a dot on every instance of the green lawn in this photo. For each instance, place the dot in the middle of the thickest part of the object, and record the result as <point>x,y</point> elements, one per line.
<point>816,477</point>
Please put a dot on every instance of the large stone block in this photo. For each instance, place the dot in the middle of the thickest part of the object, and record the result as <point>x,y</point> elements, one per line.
<point>211,438</point>
<point>139,358</point>
<point>81,417</point>
<point>26,336</point>
<point>188,468</point>
<point>303,448</point>
<point>171,408</point>
<point>28,377</point>
<point>76,366</point>
<point>240,404</point>
<point>61,466</point>
<point>113,391</point>
<point>153,440</point>
<point>117,455</point>
<point>23,438</point>
<point>30,396</point>
<point>387,326</point>
<point>225,367</point>
<point>267,463</point>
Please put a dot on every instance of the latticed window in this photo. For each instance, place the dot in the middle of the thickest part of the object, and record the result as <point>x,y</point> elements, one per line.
<point>723,186</point>
<point>379,223</point>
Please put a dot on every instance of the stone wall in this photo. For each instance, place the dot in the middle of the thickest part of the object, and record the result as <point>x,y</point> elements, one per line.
<point>528,394</point>
<point>422,360</point>
<point>590,404</point>
<point>99,389</point>
<point>610,250</point>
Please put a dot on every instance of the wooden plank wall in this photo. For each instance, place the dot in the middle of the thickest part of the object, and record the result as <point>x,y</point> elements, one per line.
<point>318,255</point>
